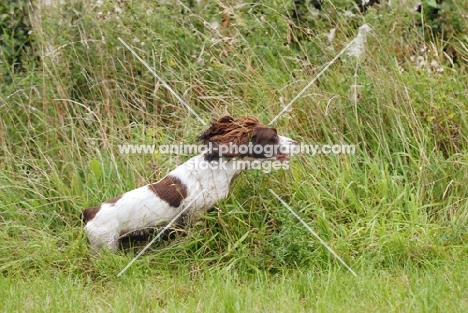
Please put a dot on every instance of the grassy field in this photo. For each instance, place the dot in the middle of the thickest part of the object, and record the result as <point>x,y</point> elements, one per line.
<point>396,210</point>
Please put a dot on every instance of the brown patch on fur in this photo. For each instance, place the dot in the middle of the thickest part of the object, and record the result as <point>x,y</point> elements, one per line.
<point>170,189</point>
<point>264,137</point>
<point>113,201</point>
<point>90,213</point>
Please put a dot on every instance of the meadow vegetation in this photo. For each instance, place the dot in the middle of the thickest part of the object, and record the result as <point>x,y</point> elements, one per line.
<point>396,211</point>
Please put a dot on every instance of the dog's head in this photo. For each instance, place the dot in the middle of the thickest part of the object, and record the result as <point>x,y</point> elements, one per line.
<point>245,136</point>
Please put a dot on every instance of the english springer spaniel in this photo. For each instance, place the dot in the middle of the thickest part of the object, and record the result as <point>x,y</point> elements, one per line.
<point>232,145</point>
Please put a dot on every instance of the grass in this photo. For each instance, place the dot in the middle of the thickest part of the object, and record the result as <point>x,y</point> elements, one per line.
<point>395,211</point>
<point>226,291</point>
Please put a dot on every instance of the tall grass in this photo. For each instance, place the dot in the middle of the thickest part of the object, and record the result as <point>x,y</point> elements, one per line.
<point>395,211</point>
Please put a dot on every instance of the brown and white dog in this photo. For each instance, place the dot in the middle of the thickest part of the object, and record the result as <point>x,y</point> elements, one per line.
<point>232,144</point>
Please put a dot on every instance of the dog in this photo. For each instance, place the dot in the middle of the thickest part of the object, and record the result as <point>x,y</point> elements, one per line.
<point>232,145</point>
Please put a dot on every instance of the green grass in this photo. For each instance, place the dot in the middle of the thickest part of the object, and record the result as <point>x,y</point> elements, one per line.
<point>395,211</point>
<point>414,290</point>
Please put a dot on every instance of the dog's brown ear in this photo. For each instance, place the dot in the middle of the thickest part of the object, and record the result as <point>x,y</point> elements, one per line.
<point>215,128</point>
<point>228,130</point>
